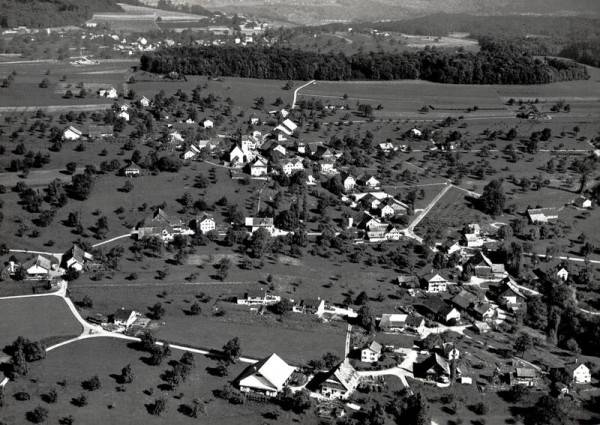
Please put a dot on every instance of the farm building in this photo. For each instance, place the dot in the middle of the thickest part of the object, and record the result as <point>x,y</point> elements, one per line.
<point>339,382</point>
<point>435,368</point>
<point>310,306</point>
<point>125,317</point>
<point>542,215</point>
<point>100,131</point>
<point>258,297</point>
<point>39,267</point>
<point>76,258</point>
<point>268,376</point>
<point>582,202</point>
<point>255,223</point>
<point>205,222</point>
<point>162,226</point>
<point>71,133</point>
<point>434,282</point>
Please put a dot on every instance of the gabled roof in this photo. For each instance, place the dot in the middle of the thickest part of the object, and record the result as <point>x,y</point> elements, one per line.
<point>393,320</point>
<point>375,347</point>
<point>525,372</point>
<point>435,360</point>
<point>270,373</point>
<point>259,221</point>
<point>122,314</point>
<point>79,254</point>
<point>40,261</point>
<point>205,216</point>
<point>479,259</point>
<point>414,321</point>
<point>345,375</point>
<point>573,366</point>
<point>74,130</point>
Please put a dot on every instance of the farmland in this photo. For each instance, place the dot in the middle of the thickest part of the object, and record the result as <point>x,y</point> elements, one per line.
<point>40,318</point>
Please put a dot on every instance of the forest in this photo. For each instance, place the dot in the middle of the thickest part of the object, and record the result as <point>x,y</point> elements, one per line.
<point>51,13</point>
<point>496,63</point>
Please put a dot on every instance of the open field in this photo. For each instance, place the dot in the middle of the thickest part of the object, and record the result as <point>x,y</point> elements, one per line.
<point>36,318</point>
<point>106,357</point>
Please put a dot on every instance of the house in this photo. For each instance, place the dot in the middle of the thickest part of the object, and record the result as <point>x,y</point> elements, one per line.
<point>205,222</point>
<point>132,170</point>
<point>481,328</point>
<point>207,123</point>
<point>340,382</point>
<point>542,215</point>
<point>248,143</point>
<point>582,202</point>
<point>320,152</point>
<point>450,351</point>
<point>75,258</point>
<point>124,115</point>
<point>253,120</point>
<point>259,167</point>
<point>39,267</point>
<point>310,306</point>
<point>122,106</point>
<point>175,137</point>
<point>434,282</point>
<point>472,240</point>
<point>97,319</point>
<point>162,226</point>
<point>415,324</point>
<point>236,155</point>
<point>125,317</point>
<point>510,298</point>
<point>100,131</point>
<point>393,233</point>
<point>9,271</point>
<point>290,166</point>
<point>392,322</point>
<point>258,297</point>
<point>268,376</point>
<point>287,127</point>
<point>415,132</point>
<point>255,223</point>
<point>144,102</point>
<point>371,353</point>
<point>442,312</point>
<point>578,372</point>
<point>407,281</point>
<point>562,273</point>
<point>110,93</point>
<point>483,267</point>
<point>386,147</point>
<point>464,300</point>
<point>327,166</point>
<point>348,182</point>
<point>191,153</point>
<point>390,207</point>
<point>368,181</point>
<point>450,246</point>
<point>435,368</point>
<point>71,133</point>
<point>369,202</point>
<point>526,376</point>
<point>482,311</point>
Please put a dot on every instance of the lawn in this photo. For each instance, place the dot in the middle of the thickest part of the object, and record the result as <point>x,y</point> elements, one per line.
<point>106,357</point>
<point>36,319</point>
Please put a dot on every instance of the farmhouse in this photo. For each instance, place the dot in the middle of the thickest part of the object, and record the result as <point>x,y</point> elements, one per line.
<point>268,376</point>
<point>75,258</point>
<point>162,226</point>
<point>144,102</point>
<point>287,127</point>
<point>258,297</point>
<point>579,373</point>
<point>371,353</point>
<point>100,131</point>
<point>392,322</point>
<point>526,376</point>
<point>290,166</point>
<point>71,133</point>
<point>433,282</point>
<point>125,317</point>
<point>310,306</point>
<point>124,115</point>
<point>390,207</point>
<point>39,267</point>
<point>255,223</point>
<point>205,222</point>
<point>450,246</point>
<point>437,308</point>
<point>415,132</point>
<point>482,311</point>
<point>435,368</point>
<point>191,153</point>
<point>110,93</point>
<point>259,167</point>
<point>483,267</point>
<point>132,170</point>
<point>542,215</point>
<point>368,181</point>
<point>340,382</point>
<point>415,324</point>
<point>464,300</point>
<point>207,123</point>
<point>582,202</point>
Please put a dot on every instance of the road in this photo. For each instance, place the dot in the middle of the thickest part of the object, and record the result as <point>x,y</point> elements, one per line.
<point>409,231</point>
<point>127,235</point>
<point>348,338</point>
<point>298,89</point>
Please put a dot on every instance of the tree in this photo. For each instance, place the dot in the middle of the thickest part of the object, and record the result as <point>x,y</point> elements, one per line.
<point>71,167</point>
<point>518,393</point>
<point>260,242</point>
<point>158,407</point>
<point>195,309</point>
<point>493,199</point>
<point>550,411</point>
<point>301,401</point>
<point>38,415</point>
<point>366,318</point>
<point>232,350</point>
<point>523,343</point>
<point>147,341</point>
<point>127,375</point>
<point>157,311</point>
<point>128,186</point>
<point>362,298</point>
<point>45,83</point>
<point>81,185</point>
<point>92,384</point>
<point>283,307</point>
<point>222,368</point>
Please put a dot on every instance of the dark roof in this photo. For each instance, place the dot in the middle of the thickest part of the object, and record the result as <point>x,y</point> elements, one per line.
<point>434,304</point>
<point>122,314</point>
<point>414,321</point>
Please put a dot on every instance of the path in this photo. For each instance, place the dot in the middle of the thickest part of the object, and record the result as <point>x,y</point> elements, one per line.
<point>348,338</point>
<point>111,240</point>
<point>139,285</point>
<point>300,88</point>
<point>409,231</point>
<point>27,251</point>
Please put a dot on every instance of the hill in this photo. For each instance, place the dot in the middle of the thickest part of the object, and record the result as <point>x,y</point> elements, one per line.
<point>51,13</point>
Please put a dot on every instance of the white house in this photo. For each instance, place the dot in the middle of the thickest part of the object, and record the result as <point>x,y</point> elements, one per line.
<point>208,123</point>
<point>124,115</point>
<point>110,93</point>
<point>393,322</point>
<point>415,132</point>
<point>258,297</point>
<point>205,222</point>
<point>562,273</point>
<point>340,382</point>
<point>434,282</point>
<point>75,258</point>
<point>259,167</point>
<point>579,372</point>
<point>288,127</point>
<point>268,376</point>
<point>368,181</point>
<point>582,202</point>
<point>542,215</point>
<point>255,223</point>
<point>290,166</point>
<point>71,133</point>
<point>175,137</point>
<point>236,156</point>
<point>371,353</point>
<point>40,267</point>
<point>125,317</point>
<point>144,102</point>
<point>349,183</point>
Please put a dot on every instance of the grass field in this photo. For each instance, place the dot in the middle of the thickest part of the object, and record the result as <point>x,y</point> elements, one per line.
<point>36,319</point>
<point>106,357</point>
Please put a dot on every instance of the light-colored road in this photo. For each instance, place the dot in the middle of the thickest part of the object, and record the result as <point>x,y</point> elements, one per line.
<point>127,235</point>
<point>410,230</point>
<point>298,89</point>
<point>348,338</point>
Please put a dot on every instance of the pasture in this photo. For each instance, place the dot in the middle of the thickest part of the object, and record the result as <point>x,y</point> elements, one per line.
<point>106,357</point>
<point>38,318</point>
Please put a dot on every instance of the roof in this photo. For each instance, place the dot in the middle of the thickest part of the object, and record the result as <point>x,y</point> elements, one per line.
<point>414,321</point>
<point>79,254</point>
<point>345,375</point>
<point>74,130</point>
<point>205,216</point>
<point>374,346</point>
<point>122,314</point>
<point>311,303</point>
<point>435,360</point>
<point>259,221</point>
<point>573,366</point>
<point>434,304</point>
<point>99,130</point>
<point>41,261</point>
<point>392,320</point>
<point>480,259</point>
<point>269,373</point>
<point>482,308</point>
<point>525,372</point>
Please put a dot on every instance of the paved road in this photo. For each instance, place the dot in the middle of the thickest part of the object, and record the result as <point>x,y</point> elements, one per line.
<point>298,89</point>
<point>409,231</point>
<point>112,240</point>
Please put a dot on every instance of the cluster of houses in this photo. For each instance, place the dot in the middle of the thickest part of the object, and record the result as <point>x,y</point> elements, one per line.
<point>46,267</point>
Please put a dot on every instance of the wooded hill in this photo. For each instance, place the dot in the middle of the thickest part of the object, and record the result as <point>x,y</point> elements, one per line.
<point>51,13</point>
<point>496,63</point>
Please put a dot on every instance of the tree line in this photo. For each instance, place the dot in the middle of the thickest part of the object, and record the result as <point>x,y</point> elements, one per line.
<point>496,63</point>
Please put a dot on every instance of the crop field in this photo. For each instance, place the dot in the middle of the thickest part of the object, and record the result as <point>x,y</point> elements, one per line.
<point>36,318</point>
<point>106,357</point>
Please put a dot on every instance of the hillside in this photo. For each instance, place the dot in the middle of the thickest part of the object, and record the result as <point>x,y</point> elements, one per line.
<point>51,13</point>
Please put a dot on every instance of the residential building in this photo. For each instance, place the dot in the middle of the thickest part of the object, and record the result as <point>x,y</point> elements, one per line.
<point>162,226</point>
<point>287,127</point>
<point>482,311</point>
<point>310,306</point>
<point>349,182</point>
<point>259,167</point>
<point>542,215</point>
<point>484,268</point>
<point>578,372</point>
<point>391,207</point>
<point>393,322</point>
<point>255,223</point>
<point>526,376</point>
<point>258,297</point>
<point>124,115</point>
<point>368,181</point>
<point>39,267</point>
<point>435,368</point>
<point>268,376</point>
<point>236,156</point>
<point>434,282</point>
<point>290,166</point>
<point>340,382</point>
<point>205,222</point>
<point>100,131</point>
<point>76,258</point>
<point>110,93</point>
<point>371,353</point>
<point>208,123</point>
<point>562,273</point>
<point>415,324</point>
<point>125,317</point>
<point>481,328</point>
<point>132,170</point>
<point>435,307</point>
<point>144,102</point>
<point>71,133</point>
<point>450,351</point>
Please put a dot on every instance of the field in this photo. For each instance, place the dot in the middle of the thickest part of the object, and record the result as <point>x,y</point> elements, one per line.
<point>39,318</point>
<point>106,357</point>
